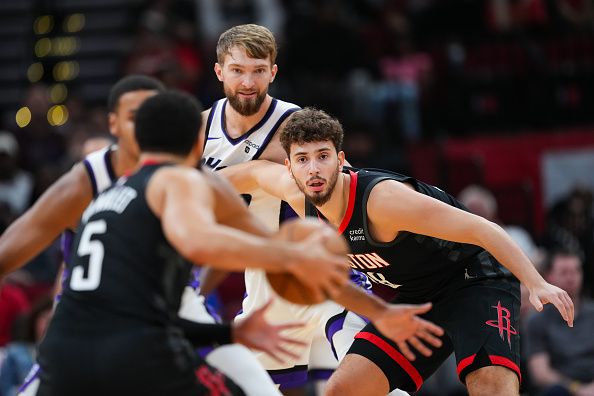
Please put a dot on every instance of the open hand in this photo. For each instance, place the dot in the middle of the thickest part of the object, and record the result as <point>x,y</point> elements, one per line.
<point>256,333</point>
<point>401,324</point>
<point>547,293</point>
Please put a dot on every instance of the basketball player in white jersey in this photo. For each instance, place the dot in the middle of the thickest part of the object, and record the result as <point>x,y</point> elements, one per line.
<point>244,126</point>
<point>59,209</point>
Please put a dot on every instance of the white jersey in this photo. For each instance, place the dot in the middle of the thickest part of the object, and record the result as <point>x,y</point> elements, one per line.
<point>221,151</point>
<point>100,170</point>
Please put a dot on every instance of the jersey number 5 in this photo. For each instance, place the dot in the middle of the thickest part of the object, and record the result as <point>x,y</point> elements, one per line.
<point>94,249</point>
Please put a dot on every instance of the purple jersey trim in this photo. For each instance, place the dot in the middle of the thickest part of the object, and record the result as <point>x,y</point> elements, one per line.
<point>109,165</point>
<point>273,131</point>
<point>89,169</point>
<point>209,122</point>
<point>293,377</point>
<point>66,240</point>
<point>203,351</point>
<point>32,376</point>
<point>319,374</point>
<point>335,324</point>
<point>254,128</point>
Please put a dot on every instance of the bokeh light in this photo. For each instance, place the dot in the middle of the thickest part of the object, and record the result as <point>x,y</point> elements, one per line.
<point>74,23</point>
<point>43,47</point>
<point>23,117</point>
<point>35,72</point>
<point>43,24</point>
<point>58,93</point>
<point>66,70</point>
<point>57,115</point>
<point>64,46</point>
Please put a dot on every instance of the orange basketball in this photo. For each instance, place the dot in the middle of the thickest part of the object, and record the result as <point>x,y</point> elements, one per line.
<point>287,285</point>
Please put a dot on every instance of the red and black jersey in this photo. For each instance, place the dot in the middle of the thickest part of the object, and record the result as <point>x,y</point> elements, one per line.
<point>419,266</point>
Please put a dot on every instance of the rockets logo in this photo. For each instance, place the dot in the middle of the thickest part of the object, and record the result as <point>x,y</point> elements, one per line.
<point>503,323</point>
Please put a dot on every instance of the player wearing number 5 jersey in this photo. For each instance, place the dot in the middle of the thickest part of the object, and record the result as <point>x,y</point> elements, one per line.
<point>116,329</point>
<point>414,237</point>
<point>59,210</point>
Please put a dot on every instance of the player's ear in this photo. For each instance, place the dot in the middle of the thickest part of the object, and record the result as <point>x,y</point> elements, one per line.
<point>111,122</point>
<point>218,69</point>
<point>340,159</point>
<point>273,71</point>
<point>288,165</point>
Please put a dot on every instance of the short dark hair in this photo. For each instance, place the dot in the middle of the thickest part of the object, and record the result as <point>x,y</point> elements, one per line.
<point>132,83</point>
<point>311,125</point>
<point>168,122</point>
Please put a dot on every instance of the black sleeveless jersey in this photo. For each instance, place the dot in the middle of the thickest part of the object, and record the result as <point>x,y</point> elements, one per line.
<point>418,266</point>
<point>123,269</point>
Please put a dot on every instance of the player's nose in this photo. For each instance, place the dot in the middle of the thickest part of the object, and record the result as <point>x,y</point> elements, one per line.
<point>248,81</point>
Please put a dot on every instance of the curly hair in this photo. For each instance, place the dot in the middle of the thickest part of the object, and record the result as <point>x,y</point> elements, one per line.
<point>257,41</point>
<point>311,125</point>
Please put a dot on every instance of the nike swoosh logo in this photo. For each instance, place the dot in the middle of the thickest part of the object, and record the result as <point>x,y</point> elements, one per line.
<point>212,138</point>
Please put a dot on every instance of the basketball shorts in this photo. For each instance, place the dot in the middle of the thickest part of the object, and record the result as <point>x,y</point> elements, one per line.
<point>144,361</point>
<point>481,323</point>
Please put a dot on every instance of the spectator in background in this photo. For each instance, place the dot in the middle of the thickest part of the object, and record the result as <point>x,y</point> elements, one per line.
<point>570,225</point>
<point>404,71</point>
<point>16,185</point>
<point>561,359</point>
<point>27,331</point>
<point>166,45</point>
<point>482,202</point>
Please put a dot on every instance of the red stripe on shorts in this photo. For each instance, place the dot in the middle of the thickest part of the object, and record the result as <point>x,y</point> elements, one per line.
<point>495,360</point>
<point>394,354</point>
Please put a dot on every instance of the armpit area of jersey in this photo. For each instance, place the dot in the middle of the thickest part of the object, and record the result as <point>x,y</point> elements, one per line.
<point>203,334</point>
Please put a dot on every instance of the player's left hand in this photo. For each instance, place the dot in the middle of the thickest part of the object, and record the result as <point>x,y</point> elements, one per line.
<point>256,333</point>
<point>547,293</point>
<point>401,324</point>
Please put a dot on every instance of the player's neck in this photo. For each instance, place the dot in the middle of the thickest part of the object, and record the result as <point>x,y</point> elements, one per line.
<point>335,209</point>
<point>237,124</point>
<point>122,162</point>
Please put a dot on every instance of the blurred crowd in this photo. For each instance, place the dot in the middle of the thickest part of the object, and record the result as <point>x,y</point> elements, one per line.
<point>396,72</point>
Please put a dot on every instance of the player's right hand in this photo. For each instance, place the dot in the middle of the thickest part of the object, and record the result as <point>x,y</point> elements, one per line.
<point>401,324</point>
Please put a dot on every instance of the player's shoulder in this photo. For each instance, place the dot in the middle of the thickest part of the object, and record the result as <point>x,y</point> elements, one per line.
<point>284,105</point>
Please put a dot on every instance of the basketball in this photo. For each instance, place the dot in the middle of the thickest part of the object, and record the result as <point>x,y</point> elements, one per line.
<point>286,285</point>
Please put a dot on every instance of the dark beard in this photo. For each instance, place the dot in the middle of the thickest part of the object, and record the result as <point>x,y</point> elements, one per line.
<point>246,108</point>
<point>320,198</point>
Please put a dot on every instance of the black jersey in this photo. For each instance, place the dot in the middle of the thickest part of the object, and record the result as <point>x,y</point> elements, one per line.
<point>113,326</point>
<point>122,265</point>
<point>419,266</point>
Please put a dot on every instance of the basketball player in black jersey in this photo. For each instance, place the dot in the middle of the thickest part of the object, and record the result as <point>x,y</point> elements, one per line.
<point>417,239</point>
<point>60,208</point>
<point>114,331</point>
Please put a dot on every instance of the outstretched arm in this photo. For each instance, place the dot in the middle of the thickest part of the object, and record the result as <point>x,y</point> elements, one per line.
<point>394,207</point>
<point>270,177</point>
<point>60,207</point>
<point>184,201</point>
